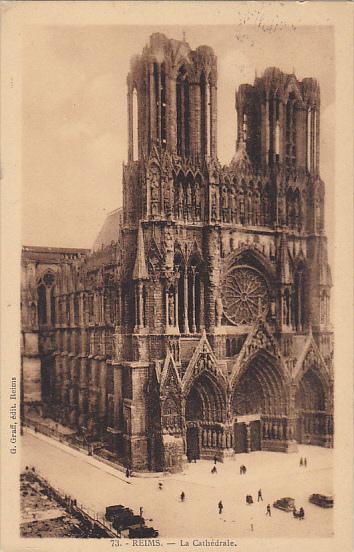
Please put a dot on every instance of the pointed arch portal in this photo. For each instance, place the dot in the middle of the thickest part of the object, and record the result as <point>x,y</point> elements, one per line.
<point>205,416</point>
<point>259,406</point>
<point>313,420</point>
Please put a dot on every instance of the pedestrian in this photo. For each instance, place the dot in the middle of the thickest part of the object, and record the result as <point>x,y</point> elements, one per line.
<point>301,461</point>
<point>260,497</point>
<point>160,486</point>
<point>220,506</point>
<point>302,513</point>
<point>195,458</point>
<point>305,462</point>
<point>183,496</point>
<point>214,470</point>
<point>141,511</point>
<point>127,473</point>
<point>244,470</point>
<point>241,470</point>
<point>269,512</point>
<point>215,459</point>
<point>251,525</point>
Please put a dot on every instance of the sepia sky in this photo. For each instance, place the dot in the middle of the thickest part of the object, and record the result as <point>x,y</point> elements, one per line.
<point>74,138</point>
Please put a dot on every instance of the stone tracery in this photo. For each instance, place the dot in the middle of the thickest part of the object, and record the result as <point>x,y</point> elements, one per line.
<point>245,295</point>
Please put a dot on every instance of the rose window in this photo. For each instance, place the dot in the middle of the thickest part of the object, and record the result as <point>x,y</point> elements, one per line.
<point>244,295</point>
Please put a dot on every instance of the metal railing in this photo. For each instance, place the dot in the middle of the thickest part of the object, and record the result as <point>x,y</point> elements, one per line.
<point>94,520</point>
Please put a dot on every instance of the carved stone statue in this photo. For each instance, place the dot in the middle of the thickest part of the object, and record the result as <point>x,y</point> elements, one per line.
<point>171,309</point>
<point>241,200</point>
<point>213,207</point>
<point>154,187</point>
<point>168,241</point>
<point>180,201</point>
<point>33,314</point>
<point>197,201</point>
<point>167,197</point>
<point>257,209</point>
<point>224,203</point>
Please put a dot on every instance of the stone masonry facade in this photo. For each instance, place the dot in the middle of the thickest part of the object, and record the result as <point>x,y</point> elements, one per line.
<point>204,327</point>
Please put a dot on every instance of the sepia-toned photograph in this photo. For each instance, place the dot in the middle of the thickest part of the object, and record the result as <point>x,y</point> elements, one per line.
<point>177,361</point>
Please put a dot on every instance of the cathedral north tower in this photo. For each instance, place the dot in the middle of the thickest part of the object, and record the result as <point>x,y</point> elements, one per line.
<point>172,100</point>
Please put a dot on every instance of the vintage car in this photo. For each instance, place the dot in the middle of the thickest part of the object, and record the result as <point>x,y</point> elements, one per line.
<point>325,501</point>
<point>142,532</point>
<point>287,504</point>
<point>112,511</point>
<point>127,519</point>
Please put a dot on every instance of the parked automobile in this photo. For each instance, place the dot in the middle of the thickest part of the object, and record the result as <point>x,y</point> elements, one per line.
<point>127,519</point>
<point>287,504</point>
<point>112,511</point>
<point>325,501</point>
<point>142,532</point>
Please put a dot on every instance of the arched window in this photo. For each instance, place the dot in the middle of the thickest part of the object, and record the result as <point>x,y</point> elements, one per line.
<point>179,268</point>
<point>52,303</point>
<point>198,197</point>
<point>296,199</point>
<point>76,310</point>
<point>144,296</point>
<point>163,106</point>
<point>42,304</point>
<point>135,125</point>
<point>182,100</point>
<point>204,115</point>
<point>160,102</point>
<point>46,300</point>
<point>299,299</point>
<point>309,139</point>
<point>324,307</point>
<point>286,308</point>
<point>194,295</point>
<point>290,132</point>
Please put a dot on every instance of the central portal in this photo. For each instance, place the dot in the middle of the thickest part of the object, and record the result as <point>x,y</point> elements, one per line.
<point>247,434</point>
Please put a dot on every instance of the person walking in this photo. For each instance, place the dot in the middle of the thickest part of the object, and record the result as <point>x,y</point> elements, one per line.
<point>301,461</point>
<point>305,462</point>
<point>160,486</point>
<point>260,497</point>
<point>220,506</point>
<point>241,470</point>
<point>183,496</point>
<point>244,470</point>
<point>302,513</point>
<point>127,473</point>
<point>215,459</point>
<point>214,470</point>
<point>269,512</point>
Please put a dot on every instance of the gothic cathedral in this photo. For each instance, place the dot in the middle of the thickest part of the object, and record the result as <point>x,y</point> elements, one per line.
<point>203,328</point>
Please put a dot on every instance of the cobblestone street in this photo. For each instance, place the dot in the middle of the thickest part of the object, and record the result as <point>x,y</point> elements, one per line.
<point>278,475</point>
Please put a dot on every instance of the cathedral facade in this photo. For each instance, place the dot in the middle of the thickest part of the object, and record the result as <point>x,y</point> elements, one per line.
<point>203,328</point>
